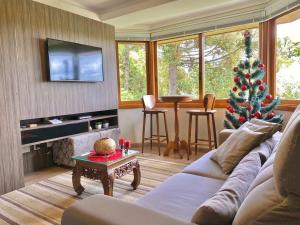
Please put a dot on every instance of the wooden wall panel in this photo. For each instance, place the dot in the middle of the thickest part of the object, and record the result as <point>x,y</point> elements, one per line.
<point>25,92</point>
<point>39,98</point>
<point>11,167</point>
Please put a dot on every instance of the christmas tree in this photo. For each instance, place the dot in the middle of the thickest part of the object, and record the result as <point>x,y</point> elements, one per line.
<point>249,98</point>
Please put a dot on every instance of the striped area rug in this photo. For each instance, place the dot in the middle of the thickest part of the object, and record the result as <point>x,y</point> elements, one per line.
<point>44,202</point>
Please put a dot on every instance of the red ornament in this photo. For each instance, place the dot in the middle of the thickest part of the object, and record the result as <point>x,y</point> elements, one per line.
<point>252,115</point>
<point>234,88</point>
<point>259,82</point>
<point>271,115</point>
<point>250,84</point>
<point>261,65</point>
<point>248,75</point>
<point>122,141</point>
<point>235,69</point>
<point>237,79</point>
<point>244,87</point>
<point>231,110</point>
<point>242,119</point>
<point>247,34</point>
<point>269,97</point>
<point>261,87</point>
<point>262,104</point>
<point>257,114</point>
<point>127,144</point>
<point>250,107</point>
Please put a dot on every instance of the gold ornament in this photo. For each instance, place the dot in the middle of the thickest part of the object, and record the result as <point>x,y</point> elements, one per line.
<point>105,146</point>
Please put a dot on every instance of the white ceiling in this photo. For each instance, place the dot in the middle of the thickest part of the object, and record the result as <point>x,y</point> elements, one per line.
<point>151,15</point>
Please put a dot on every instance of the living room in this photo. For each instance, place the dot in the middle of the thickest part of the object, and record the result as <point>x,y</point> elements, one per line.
<point>180,111</point>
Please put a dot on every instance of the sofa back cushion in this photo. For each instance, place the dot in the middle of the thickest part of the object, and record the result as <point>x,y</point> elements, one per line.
<point>222,207</point>
<point>263,126</point>
<point>239,144</point>
<point>286,164</point>
<point>274,196</point>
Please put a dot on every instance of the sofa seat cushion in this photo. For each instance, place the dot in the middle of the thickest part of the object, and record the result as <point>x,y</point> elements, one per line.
<point>206,167</point>
<point>105,210</point>
<point>180,195</point>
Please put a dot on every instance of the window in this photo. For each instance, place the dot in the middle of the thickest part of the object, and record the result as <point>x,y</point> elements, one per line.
<point>288,56</point>
<point>178,67</point>
<point>223,52</point>
<point>132,70</point>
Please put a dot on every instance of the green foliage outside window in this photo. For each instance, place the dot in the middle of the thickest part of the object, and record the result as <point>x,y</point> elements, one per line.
<point>222,51</point>
<point>132,70</point>
<point>178,67</point>
<point>288,60</point>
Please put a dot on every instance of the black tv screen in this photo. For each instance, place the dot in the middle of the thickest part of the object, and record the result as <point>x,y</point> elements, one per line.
<point>69,61</point>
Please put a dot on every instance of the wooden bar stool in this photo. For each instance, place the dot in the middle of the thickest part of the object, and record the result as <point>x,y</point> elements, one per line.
<point>209,103</point>
<point>149,108</point>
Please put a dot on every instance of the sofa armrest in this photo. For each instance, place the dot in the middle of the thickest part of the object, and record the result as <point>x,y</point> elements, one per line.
<point>224,134</point>
<point>105,210</point>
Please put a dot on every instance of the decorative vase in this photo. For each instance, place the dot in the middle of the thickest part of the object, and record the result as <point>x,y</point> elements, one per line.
<point>105,146</point>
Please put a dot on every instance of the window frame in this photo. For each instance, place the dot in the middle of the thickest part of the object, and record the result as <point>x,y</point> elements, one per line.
<point>195,102</point>
<point>132,103</point>
<point>267,50</point>
<point>285,104</point>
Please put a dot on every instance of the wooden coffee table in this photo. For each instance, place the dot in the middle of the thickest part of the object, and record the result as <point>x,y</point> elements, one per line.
<point>106,172</point>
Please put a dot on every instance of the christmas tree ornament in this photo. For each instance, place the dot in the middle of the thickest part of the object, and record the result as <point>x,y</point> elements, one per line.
<point>244,87</point>
<point>237,79</point>
<point>249,102</point>
<point>257,114</point>
<point>258,82</point>
<point>231,110</point>
<point>269,97</point>
<point>242,119</point>
<point>271,115</point>
<point>261,87</point>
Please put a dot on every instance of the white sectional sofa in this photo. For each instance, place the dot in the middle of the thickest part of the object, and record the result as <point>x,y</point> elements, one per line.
<point>273,196</point>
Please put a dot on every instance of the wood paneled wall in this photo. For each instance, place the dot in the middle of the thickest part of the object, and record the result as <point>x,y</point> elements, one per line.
<point>25,92</point>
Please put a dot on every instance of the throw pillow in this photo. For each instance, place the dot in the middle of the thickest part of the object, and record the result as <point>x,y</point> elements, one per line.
<point>223,206</point>
<point>263,126</point>
<point>230,153</point>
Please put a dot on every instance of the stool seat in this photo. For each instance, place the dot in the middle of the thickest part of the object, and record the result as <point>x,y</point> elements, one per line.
<point>155,111</point>
<point>201,112</point>
<point>209,113</point>
<point>150,110</point>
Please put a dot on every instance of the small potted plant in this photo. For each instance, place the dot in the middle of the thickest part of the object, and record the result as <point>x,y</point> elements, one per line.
<point>105,124</point>
<point>98,125</point>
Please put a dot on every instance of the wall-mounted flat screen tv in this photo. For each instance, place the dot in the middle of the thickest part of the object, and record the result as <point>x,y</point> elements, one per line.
<point>69,61</point>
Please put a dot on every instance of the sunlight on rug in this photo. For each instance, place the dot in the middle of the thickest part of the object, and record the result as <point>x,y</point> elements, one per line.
<point>44,202</point>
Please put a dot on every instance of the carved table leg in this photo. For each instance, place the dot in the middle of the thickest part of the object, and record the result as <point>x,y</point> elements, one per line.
<point>76,177</point>
<point>107,183</point>
<point>137,176</point>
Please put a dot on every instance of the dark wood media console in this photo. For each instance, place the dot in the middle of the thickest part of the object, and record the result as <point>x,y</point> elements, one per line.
<point>71,125</point>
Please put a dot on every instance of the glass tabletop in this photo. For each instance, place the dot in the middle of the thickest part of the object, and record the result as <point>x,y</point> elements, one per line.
<point>108,159</point>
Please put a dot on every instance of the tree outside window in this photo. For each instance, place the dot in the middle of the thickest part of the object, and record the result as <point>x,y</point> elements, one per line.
<point>132,70</point>
<point>178,67</point>
<point>222,53</point>
<point>288,56</point>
